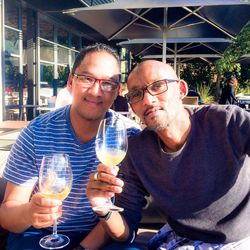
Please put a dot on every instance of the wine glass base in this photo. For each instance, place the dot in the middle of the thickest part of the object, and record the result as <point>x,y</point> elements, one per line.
<point>115,208</point>
<point>107,207</point>
<point>54,241</point>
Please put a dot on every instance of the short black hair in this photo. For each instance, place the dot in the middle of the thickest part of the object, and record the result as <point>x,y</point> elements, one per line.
<point>97,47</point>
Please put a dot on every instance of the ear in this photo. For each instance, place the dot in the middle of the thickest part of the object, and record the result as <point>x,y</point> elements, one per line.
<point>69,83</point>
<point>183,88</point>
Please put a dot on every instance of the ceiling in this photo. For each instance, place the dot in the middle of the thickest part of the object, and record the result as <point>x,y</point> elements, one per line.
<point>170,29</point>
<point>181,30</point>
<point>55,9</point>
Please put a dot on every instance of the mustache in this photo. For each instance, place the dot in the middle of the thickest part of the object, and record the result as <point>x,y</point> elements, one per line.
<point>150,109</point>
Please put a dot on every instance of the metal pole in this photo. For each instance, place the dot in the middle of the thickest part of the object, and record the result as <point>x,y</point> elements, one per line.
<point>175,56</point>
<point>1,59</point>
<point>164,37</point>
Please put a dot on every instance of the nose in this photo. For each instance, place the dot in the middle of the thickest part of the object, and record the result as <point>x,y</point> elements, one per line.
<point>95,88</point>
<point>147,98</point>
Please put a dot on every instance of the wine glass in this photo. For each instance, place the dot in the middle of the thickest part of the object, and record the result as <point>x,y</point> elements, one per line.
<point>111,145</point>
<point>55,181</point>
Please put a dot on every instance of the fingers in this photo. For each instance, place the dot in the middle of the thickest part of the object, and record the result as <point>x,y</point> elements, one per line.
<point>106,174</point>
<point>40,200</point>
<point>106,184</point>
<point>101,177</point>
<point>103,184</point>
<point>106,169</point>
<point>43,211</point>
<point>40,220</point>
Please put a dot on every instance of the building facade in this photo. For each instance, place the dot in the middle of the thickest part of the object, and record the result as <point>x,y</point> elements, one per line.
<point>37,53</point>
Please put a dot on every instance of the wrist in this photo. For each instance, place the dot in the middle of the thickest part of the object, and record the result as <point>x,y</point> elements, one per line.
<point>104,216</point>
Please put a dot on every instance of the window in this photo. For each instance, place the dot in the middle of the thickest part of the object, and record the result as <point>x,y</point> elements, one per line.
<point>11,41</point>
<point>46,51</point>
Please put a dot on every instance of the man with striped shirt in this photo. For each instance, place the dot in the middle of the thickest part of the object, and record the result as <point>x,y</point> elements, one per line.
<point>94,84</point>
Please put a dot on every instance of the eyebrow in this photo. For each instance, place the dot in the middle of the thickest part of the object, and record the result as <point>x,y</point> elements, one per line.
<point>135,88</point>
<point>91,75</point>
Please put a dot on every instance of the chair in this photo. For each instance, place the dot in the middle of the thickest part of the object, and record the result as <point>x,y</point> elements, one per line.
<point>3,232</point>
<point>190,100</point>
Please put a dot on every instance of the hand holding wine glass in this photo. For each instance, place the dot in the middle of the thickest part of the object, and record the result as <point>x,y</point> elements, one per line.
<point>55,181</point>
<point>111,147</point>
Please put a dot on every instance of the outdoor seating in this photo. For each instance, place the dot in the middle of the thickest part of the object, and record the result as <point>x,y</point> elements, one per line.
<point>190,100</point>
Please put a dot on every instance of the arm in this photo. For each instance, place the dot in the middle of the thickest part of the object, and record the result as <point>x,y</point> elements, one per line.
<point>107,186</point>
<point>18,212</point>
<point>101,234</point>
<point>232,93</point>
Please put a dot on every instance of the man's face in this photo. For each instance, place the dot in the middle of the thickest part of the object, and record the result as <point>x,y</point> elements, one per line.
<point>159,111</point>
<point>92,103</point>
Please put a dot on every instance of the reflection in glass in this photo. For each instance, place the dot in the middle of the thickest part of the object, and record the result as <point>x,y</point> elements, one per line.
<point>46,77</point>
<point>73,56</point>
<point>63,72</point>
<point>11,86</point>
<point>63,55</point>
<point>11,68</point>
<point>46,73</point>
<point>11,41</point>
<point>46,51</point>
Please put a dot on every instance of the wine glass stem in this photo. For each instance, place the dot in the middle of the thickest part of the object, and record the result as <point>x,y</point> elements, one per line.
<point>55,227</point>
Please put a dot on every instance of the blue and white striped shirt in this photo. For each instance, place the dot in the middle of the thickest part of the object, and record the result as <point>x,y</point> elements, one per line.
<point>51,133</point>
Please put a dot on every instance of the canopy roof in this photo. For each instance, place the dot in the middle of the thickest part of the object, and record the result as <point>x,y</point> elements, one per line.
<point>173,28</point>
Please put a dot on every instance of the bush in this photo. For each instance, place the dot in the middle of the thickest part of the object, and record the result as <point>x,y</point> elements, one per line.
<point>206,94</point>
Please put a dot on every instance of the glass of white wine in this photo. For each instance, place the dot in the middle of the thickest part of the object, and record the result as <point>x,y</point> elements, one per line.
<point>111,147</point>
<point>55,181</point>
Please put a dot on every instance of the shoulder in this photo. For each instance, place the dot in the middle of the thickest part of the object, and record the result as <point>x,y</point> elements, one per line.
<point>53,118</point>
<point>227,113</point>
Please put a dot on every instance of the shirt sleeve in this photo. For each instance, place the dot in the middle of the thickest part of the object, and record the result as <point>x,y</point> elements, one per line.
<point>239,125</point>
<point>20,167</point>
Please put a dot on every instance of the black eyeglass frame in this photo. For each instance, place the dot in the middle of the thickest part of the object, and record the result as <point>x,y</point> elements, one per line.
<point>146,88</point>
<point>114,85</point>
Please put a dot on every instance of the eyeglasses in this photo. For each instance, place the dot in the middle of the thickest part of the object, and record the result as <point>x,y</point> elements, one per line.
<point>155,88</point>
<point>88,81</point>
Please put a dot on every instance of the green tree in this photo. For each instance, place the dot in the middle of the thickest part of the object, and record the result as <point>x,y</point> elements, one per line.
<point>229,63</point>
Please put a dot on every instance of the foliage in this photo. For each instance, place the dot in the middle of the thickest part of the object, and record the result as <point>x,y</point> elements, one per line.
<point>228,64</point>
<point>63,73</point>
<point>196,74</point>
<point>206,94</point>
<point>47,72</point>
<point>245,90</point>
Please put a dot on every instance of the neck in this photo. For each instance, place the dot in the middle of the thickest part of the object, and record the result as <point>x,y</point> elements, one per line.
<point>84,129</point>
<point>174,137</point>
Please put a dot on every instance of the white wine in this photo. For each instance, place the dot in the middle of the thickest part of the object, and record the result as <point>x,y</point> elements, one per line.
<point>110,157</point>
<point>52,194</point>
